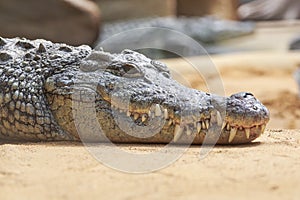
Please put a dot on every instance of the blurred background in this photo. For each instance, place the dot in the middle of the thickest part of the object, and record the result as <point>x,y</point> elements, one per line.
<point>253,43</point>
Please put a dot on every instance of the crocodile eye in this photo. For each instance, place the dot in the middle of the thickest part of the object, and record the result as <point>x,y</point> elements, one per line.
<point>247,94</point>
<point>131,71</point>
<point>127,70</point>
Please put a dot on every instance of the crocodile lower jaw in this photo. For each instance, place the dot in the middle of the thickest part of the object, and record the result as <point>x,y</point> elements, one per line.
<point>197,127</point>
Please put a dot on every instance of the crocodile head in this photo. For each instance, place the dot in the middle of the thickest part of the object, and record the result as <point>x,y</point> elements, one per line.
<point>136,100</point>
<point>50,91</point>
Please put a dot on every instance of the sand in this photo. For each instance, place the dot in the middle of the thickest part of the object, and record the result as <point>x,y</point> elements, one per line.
<point>265,169</point>
<point>268,168</point>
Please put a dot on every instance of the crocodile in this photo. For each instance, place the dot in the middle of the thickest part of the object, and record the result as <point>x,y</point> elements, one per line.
<point>269,10</point>
<point>203,29</point>
<point>207,31</point>
<point>42,82</point>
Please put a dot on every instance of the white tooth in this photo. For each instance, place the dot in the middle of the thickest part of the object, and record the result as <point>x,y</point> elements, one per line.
<point>232,134</point>
<point>219,119</point>
<point>178,132</point>
<point>223,125</point>
<point>207,123</point>
<point>203,125</point>
<point>198,127</point>
<point>263,127</point>
<point>149,114</point>
<point>166,115</point>
<point>157,110</point>
<point>144,117</point>
<point>188,131</point>
<point>136,116</point>
<point>228,127</point>
<point>213,118</point>
<point>170,122</point>
<point>128,113</point>
<point>247,131</point>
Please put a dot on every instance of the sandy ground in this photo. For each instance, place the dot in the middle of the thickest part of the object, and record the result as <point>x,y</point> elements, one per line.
<point>265,169</point>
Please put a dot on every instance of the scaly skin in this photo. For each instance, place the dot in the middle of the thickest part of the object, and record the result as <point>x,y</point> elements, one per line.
<point>47,91</point>
<point>212,29</point>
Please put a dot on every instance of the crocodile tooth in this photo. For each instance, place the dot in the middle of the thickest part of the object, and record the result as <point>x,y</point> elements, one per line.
<point>263,127</point>
<point>247,131</point>
<point>198,127</point>
<point>207,123</point>
<point>223,125</point>
<point>232,134</point>
<point>219,119</point>
<point>144,117</point>
<point>228,127</point>
<point>170,122</point>
<point>213,117</point>
<point>166,115</point>
<point>188,131</point>
<point>203,125</point>
<point>178,132</point>
<point>136,116</point>
<point>149,114</point>
<point>128,113</point>
<point>157,110</point>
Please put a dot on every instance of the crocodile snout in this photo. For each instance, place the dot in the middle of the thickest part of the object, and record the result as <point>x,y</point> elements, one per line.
<point>244,110</point>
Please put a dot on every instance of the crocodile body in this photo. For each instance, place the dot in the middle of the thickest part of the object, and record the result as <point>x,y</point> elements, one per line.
<point>207,31</point>
<point>202,29</point>
<point>43,85</point>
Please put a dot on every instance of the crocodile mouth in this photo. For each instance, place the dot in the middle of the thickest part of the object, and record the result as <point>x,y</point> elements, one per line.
<point>201,125</point>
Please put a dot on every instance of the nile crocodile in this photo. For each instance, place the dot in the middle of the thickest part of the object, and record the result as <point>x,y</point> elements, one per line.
<point>39,79</point>
<point>207,31</point>
<point>203,29</point>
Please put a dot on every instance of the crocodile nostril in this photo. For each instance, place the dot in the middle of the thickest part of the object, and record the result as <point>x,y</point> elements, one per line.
<point>248,94</point>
